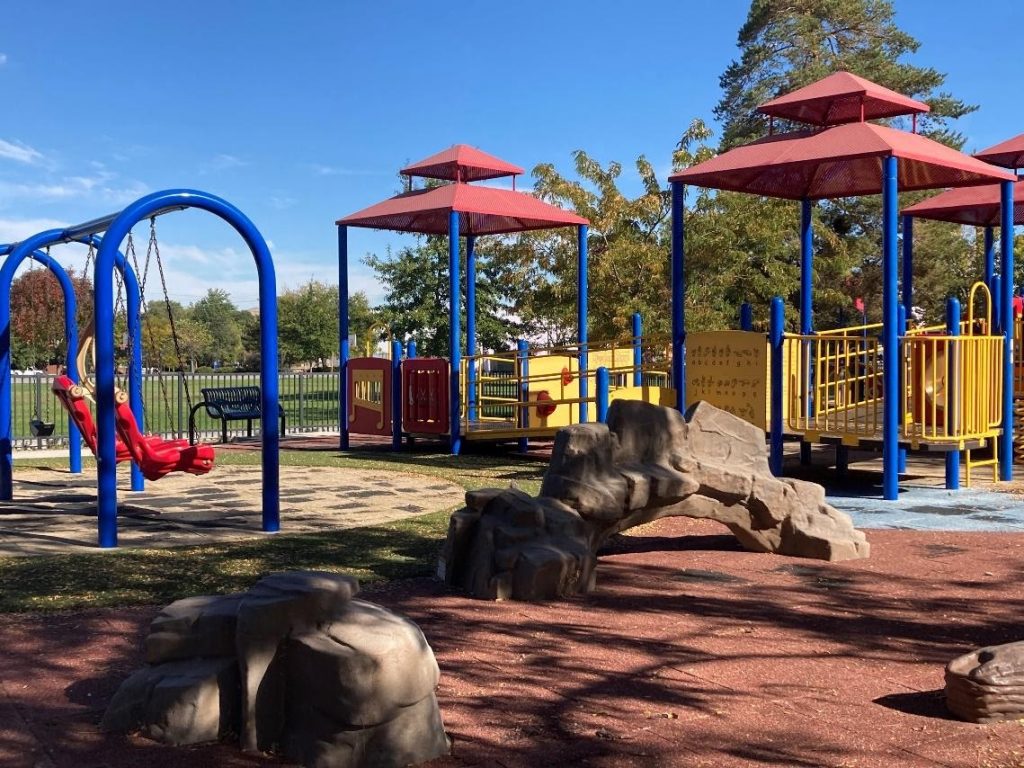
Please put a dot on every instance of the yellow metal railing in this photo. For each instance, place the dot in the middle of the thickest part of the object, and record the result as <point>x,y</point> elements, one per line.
<point>542,393</point>
<point>835,386</point>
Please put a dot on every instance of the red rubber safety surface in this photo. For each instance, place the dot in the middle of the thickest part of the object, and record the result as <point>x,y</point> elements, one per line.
<point>691,653</point>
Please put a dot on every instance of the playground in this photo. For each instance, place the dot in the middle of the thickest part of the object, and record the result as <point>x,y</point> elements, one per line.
<point>512,503</point>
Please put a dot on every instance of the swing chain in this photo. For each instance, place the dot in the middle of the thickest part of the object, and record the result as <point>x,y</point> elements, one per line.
<point>155,247</point>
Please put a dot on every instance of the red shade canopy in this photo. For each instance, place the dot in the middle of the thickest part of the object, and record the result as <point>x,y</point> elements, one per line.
<point>842,161</point>
<point>1009,154</point>
<point>841,97</point>
<point>482,211</point>
<point>976,206</point>
<point>462,163</point>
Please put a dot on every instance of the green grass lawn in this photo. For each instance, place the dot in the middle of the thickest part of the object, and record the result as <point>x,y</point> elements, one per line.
<point>125,576</point>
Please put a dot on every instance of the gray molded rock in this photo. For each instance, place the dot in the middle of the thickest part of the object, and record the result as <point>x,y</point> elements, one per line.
<point>648,462</point>
<point>987,685</point>
<point>294,665</point>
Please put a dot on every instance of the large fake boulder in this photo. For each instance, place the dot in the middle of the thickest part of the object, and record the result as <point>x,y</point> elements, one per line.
<point>647,462</point>
<point>987,685</point>
<point>294,665</point>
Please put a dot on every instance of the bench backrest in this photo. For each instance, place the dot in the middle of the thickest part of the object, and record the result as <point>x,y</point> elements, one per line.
<point>232,400</point>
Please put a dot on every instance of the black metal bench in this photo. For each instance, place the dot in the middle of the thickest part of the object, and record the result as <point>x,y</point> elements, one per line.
<point>230,404</point>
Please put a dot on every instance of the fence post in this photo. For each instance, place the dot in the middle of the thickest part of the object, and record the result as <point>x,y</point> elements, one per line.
<point>952,391</point>
<point>302,403</point>
<point>775,334</point>
<point>523,353</point>
<point>39,405</point>
<point>602,394</point>
<point>181,404</point>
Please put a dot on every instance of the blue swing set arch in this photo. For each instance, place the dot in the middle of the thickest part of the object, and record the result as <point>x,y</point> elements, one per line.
<point>115,229</point>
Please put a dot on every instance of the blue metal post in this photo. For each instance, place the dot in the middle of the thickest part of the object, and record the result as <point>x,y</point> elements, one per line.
<point>471,323</point>
<point>907,286</point>
<point>890,332</point>
<point>807,307</point>
<point>901,320</point>
<point>776,329</point>
<point>603,386</point>
<point>454,332</point>
<point>678,297</point>
<point>746,317</point>
<point>17,254</point>
<point>343,332</point>
<point>996,289</point>
<point>952,391</point>
<point>523,356</point>
<point>581,319</point>
<point>638,350</point>
<point>396,395</point>
<point>133,310</point>
<point>1006,242</point>
<point>411,353</point>
<point>990,256</point>
<point>103,301</point>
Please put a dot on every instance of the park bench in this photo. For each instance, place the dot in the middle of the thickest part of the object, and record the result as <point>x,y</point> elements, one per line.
<point>230,404</point>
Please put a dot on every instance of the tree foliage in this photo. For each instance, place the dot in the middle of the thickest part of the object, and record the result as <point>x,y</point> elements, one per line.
<point>37,316</point>
<point>218,316</point>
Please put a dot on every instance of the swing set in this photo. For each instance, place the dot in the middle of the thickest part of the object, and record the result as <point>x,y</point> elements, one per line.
<point>115,435</point>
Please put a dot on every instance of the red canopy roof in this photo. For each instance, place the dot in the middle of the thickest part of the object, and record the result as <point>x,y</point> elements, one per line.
<point>1009,154</point>
<point>482,211</point>
<point>462,163</point>
<point>840,98</point>
<point>977,206</point>
<point>841,161</point>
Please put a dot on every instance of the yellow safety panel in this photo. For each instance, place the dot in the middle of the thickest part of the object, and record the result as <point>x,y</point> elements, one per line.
<point>730,370</point>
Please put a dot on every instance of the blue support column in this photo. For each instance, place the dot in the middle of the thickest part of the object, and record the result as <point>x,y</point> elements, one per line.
<point>678,298</point>
<point>776,329</point>
<point>990,256</point>
<point>343,332</point>
<point>907,286</point>
<point>471,323</point>
<point>890,332</point>
<point>581,319</point>
<point>1006,242</point>
<point>454,333</point>
<point>638,350</point>
<point>603,387</point>
<point>901,315</point>
<point>746,317</point>
<point>411,353</point>
<point>396,395</point>
<point>807,308</point>
<point>996,290</point>
<point>523,359</point>
<point>952,391</point>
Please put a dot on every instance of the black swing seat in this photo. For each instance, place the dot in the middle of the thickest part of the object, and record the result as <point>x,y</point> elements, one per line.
<point>230,404</point>
<point>40,428</point>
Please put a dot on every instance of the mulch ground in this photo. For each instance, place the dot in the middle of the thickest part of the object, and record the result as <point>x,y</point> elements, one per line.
<point>691,653</point>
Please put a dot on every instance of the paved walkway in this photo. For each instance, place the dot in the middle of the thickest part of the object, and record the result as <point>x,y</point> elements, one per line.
<point>55,511</point>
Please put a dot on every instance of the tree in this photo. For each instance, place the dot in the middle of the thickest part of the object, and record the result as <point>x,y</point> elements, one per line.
<point>216,313</point>
<point>416,301</point>
<point>37,316</point>
<point>308,323</point>
<point>786,44</point>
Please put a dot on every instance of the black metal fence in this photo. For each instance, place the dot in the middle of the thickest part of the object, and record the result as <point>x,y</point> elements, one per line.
<point>309,400</point>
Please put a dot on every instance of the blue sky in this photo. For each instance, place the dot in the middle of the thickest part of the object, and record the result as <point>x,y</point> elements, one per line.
<point>302,112</point>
